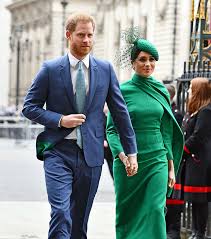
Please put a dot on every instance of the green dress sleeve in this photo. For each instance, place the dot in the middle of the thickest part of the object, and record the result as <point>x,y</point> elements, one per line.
<point>113,137</point>
<point>167,133</point>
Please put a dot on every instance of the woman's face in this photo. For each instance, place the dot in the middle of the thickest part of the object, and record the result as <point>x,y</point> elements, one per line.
<point>144,64</point>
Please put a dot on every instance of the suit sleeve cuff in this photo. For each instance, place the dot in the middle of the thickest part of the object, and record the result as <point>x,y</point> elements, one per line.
<point>169,156</point>
<point>132,154</point>
<point>59,124</point>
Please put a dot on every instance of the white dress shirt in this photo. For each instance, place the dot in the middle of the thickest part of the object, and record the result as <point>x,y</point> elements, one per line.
<point>73,72</point>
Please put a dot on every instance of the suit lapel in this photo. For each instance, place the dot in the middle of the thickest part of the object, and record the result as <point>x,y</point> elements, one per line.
<point>66,78</point>
<point>93,82</point>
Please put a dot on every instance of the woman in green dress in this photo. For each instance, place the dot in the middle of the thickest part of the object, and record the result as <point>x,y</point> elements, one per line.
<point>140,199</point>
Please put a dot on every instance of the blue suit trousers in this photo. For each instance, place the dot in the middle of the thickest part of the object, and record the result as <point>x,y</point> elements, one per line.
<point>71,188</point>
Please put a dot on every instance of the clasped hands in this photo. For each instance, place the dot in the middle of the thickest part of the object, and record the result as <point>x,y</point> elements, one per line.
<point>130,162</point>
<point>74,120</point>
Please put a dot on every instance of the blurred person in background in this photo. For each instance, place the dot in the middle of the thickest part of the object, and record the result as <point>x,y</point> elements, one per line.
<point>141,199</point>
<point>177,114</point>
<point>196,176</point>
<point>74,88</point>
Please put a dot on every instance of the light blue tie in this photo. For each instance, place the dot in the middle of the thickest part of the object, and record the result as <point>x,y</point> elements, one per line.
<point>80,97</point>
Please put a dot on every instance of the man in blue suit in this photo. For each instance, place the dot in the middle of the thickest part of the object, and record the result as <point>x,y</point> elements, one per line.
<point>72,143</point>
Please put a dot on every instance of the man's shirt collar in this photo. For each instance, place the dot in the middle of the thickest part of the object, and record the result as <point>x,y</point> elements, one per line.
<point>74,61</point>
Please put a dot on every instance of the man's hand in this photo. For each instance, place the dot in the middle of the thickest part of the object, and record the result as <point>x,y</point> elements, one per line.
<point>131,165</point>
<point>73,120</point>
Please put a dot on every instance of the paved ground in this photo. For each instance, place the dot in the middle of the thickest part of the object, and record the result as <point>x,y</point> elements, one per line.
<point>24,211</point>
<point>23,220</point>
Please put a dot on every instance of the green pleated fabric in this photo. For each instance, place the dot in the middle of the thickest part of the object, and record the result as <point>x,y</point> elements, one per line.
<point>140,199</point>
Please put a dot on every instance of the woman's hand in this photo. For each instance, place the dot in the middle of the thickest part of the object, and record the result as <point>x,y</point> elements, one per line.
<point>171,174</point>
<point>131,165</point>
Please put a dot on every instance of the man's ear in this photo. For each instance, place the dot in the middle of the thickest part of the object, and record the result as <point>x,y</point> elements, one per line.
<point>67,34</point>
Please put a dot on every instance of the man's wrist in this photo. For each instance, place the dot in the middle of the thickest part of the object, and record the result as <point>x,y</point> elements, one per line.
<point>132,154</point>
<point>59,125</point>
<point>121,153</point>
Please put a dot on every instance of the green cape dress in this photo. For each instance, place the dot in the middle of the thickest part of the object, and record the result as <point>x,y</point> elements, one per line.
<point>140,200</point>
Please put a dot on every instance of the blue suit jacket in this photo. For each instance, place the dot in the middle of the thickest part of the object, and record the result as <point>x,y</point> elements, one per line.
<point>53,86</point>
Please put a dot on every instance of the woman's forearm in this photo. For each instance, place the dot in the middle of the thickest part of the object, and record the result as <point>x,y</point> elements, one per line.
<point>170,165</point>
<point>171,174</point>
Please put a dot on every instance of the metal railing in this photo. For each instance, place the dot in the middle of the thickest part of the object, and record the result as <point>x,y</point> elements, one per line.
<point>186,222</point>
<point>19,128</point>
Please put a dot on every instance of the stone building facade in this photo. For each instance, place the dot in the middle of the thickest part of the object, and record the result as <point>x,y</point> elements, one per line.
<point>37,34</point>
<point>164,22</point>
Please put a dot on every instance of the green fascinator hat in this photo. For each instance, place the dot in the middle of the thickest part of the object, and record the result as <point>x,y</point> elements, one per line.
<point>143,45</point>
<point>132,45</point>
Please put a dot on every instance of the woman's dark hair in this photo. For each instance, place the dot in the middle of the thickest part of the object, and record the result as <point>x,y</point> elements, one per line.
<point>134,52</point>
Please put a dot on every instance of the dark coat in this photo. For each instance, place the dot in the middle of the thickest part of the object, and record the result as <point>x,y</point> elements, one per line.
<point>177,114</point>
<point>197,163</point>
